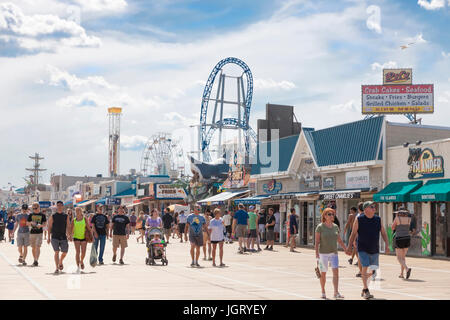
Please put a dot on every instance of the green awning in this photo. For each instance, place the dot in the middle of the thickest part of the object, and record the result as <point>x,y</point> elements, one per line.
<point>433,190</point>
<point>397,191</point>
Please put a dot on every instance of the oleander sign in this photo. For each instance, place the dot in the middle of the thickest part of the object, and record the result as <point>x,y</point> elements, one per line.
<point>423,164</point>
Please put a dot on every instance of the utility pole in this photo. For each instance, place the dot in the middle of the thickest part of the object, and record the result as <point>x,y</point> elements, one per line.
<point>35,171</point>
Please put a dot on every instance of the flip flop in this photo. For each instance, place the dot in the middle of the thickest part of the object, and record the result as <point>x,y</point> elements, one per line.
<point>408,273</point>
<point>401,276</point>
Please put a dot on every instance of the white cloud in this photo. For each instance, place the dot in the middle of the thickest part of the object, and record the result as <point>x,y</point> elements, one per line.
<point>102,5</point>
<point>60,78</point>
<point>132,143</point>
<point>445,54</point>
<point>35,33</point>
<point>344,107</point>
<point>265,84</point>
<point>431,4</point>
<point>387,65</point>
<point>373,22</point>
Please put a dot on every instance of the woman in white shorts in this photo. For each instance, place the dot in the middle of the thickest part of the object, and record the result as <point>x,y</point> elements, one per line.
<point>327,238</point>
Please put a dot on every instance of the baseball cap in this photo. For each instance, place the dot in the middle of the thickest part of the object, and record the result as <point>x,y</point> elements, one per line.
<point>251,207</point>
<point>25,206</point>
<point>367,204</point>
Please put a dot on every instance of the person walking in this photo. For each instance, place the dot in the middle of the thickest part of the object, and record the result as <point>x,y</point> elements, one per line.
<point>167,220</point>
<point>327,237</point>
<point>36,220</point>
<point>348,229</point>
<point>368,228</point>
<point>270,226</point>
<point>140,226</point>
<point>80,226</point>
<point>258,235</point>
<point>206,236</point>
<point>227,220</point>
<point>262,217</point>
<point>10,222</point>
<point>133,220</point>
<point>252,228</point>
<point>402,239</point>
<point>182,219</point>
<point>58,230</point>
<point>277,225</point>
<point>154,221</point>
<point>240,227</point>
<point>120,228</point>
<point>100,226</point>
<point>195,224</point>
<point>355,244</point>
<point>23,234</point>
<point>70,214</point>
<point>293,229</point>
<point>217,228</point>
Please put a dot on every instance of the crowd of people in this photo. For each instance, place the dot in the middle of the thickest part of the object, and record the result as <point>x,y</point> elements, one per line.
<point>207,232</point>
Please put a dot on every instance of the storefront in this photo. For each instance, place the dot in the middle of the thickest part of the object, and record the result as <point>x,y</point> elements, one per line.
<point>417,179</point>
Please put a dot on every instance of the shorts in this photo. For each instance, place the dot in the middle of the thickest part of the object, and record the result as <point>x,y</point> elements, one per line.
<point>403,243</point>
<point>291,231</point>
<point>132,224</point>
<point>23,239</point>
<point>119,241</point>
<point>76,239</point>
<point>270,235</point>
<point>196,239</point>
<point>228,229</point>
<point>36,239</point>
<point>277,227</point>
<point>262,228</point>
<point>217,241</point>
<point>252,234</point>
<point>368,260</point>
<point>241,231</point>
<point>167,230</point>
<point>328,258</point>
<point>181,227</point>
<point>60,245</point>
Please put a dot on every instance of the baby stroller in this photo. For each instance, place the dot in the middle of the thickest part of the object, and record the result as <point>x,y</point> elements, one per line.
<point>155,251</point>
<point>2,231</point>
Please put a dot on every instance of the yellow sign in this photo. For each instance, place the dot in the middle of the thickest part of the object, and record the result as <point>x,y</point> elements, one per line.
<point>114,110</point>
<point>406,109</point>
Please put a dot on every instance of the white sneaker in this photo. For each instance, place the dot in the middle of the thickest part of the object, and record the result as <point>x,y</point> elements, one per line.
<point>324,296</point>
<point>338,296</point>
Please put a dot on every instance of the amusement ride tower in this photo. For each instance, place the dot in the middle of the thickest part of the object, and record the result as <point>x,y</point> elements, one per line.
<point>114,115</point>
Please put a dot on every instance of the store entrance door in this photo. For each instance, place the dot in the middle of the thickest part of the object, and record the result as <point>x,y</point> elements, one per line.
<point>304,223</point>
<point>440,229</point>
<point>310,223</point>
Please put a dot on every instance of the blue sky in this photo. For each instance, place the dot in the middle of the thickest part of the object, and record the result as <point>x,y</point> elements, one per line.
<point>65,61</point>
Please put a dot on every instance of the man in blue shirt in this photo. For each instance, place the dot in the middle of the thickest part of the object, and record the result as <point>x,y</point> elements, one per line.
<point>3,215</point>
<point>195,225</point>
<point>240,226</point>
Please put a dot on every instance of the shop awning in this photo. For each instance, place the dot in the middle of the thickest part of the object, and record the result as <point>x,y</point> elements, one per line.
<point>221,197</point>
<point>433,190</point>
<point>252,200</point>
<point>85,203</point>
<point>283,196</point>
<point>397,191</point>
<point>127,193</point>
<point>68,203</point>
<point>101,201</point>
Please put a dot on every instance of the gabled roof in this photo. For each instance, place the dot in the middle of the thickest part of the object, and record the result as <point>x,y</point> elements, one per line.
<point>348,143</point>
<point>286,149</point>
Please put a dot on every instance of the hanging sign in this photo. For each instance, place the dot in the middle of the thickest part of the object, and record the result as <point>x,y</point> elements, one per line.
<point>272,187</point>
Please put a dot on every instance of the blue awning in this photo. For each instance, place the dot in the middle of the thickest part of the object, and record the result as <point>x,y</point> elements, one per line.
<point>101,201</point>
<point>252,200</point>
<point>68,203</point>
<point>78,203</point>
<point>127,193</point>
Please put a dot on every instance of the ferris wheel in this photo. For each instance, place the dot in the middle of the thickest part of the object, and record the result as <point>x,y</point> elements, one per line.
<point>162,155</point>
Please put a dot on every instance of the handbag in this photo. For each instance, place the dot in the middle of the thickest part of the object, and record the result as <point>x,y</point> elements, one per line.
<point>93,257</point>
<point>87,233</point>
<point>317,270</point>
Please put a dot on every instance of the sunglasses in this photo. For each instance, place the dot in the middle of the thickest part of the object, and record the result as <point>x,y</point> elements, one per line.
<point>330,214</point>
<point>373,207</point>
<point>35,208</point>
